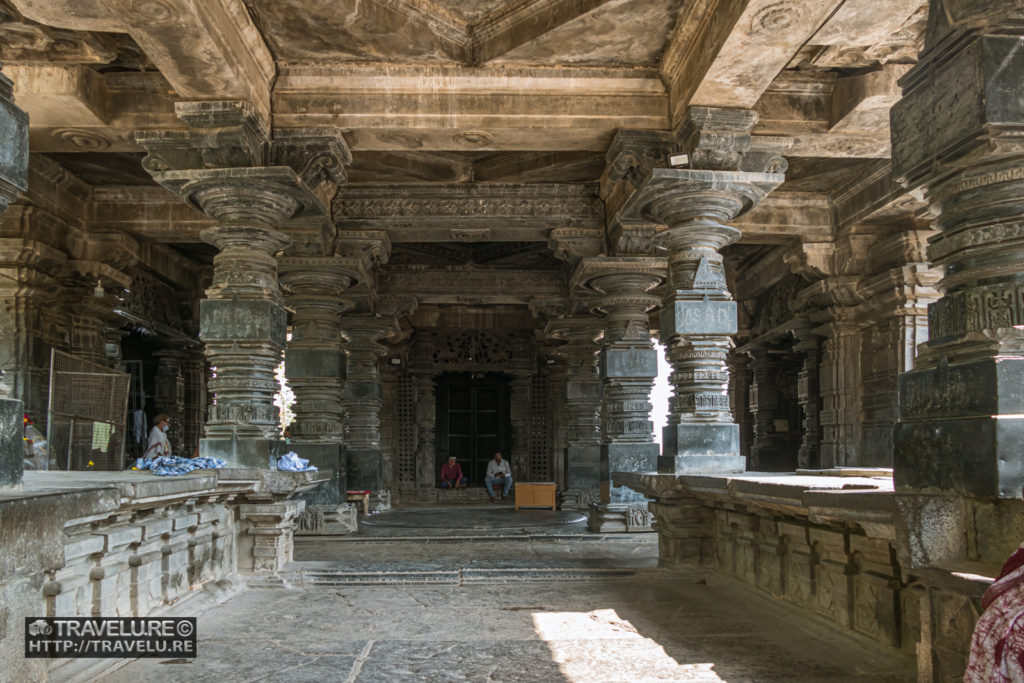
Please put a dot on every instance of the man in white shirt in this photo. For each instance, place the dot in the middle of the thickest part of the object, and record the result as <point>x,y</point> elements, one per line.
<point>498,472</point>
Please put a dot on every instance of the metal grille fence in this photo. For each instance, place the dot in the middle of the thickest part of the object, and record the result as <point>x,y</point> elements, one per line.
<point>86,421</point>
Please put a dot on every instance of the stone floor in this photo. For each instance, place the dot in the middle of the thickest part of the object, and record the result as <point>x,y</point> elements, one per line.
<point>489,602</point>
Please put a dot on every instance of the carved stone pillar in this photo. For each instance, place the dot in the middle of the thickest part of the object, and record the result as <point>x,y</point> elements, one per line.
<point>169,395</point>
<point>839,382</point>
<point>315,364</point>
<point>519,437</point>
<point>739,399</point>
<point>699,315</point>
<point>426,433</point>
<point>808,345</point>
<point>628,364</point>
<point>13,180</point>
<point>195,371</point>
<point>582,398</point>
<point>219,166</point>
<point>958,133</point>
<point>361,398</point>
<point>764,403</point>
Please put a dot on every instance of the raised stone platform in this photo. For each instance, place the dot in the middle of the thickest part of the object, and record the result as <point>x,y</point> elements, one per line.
<point>902,568</point>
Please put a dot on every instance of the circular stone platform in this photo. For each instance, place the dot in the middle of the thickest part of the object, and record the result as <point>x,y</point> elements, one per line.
<point>461,518</point>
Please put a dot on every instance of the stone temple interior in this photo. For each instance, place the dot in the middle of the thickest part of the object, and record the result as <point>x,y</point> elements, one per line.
<point>464,224</point>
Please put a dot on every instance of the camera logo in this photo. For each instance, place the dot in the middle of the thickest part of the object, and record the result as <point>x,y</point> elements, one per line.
<point>40,627</point>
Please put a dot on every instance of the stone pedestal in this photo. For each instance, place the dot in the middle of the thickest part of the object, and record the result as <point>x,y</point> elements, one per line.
<point>11,444</point>
<point>325,456</point>
<point>957,133</point>
<point>266,533</point>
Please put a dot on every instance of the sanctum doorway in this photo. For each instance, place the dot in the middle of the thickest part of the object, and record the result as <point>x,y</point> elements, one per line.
<point>473,420</point>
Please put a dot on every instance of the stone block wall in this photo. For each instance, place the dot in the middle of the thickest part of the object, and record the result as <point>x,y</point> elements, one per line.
<point>905,571</point>
<point>131,544</point>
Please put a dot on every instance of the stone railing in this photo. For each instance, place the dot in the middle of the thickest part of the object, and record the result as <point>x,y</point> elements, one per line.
<point>890,566</point>
<point>130,544</point>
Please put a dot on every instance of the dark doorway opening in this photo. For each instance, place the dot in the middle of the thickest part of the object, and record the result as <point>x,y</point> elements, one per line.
<point>473,420</point>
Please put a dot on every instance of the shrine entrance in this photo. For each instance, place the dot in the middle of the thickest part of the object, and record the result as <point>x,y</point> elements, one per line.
<point>473,420</point>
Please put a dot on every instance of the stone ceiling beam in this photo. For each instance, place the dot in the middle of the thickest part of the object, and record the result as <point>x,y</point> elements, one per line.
<point>447,108</point>
<point>207,50</point>
<point>726,53</point>
<point>782,216</point>
<point>521,23</point>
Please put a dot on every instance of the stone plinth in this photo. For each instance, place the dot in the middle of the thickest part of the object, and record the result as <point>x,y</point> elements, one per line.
<point>11,444</point>
<point>325,457</point>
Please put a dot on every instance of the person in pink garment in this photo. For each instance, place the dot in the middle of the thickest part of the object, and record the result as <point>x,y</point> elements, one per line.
<point>451,475</point>
<point>997,647</point>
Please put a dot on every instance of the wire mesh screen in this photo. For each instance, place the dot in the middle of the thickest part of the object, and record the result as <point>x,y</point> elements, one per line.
<point>87,410</point>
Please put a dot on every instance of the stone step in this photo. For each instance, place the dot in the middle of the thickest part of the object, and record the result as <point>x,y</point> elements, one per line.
<point>456,576</point>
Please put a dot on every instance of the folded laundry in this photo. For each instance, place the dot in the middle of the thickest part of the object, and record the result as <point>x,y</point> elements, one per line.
<point>172,465</point>
<point>291,462</point>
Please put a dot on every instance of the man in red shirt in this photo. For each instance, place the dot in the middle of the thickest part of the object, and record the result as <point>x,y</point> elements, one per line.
<point>451,475</point>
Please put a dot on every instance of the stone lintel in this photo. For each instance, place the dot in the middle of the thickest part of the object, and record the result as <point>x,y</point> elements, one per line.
<point>478,285</point>
<point>430,213</point>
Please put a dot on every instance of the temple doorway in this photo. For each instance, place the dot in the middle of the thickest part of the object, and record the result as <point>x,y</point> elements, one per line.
<point>473,420</point>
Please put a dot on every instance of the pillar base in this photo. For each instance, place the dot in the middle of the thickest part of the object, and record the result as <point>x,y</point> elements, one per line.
<point>583,467</point>
<point>628,457</point>
<point>325,456</point>
<point>243,452</point>
<point>11,445</point>
<point>611,518</point>
<point>961,430</point>
<point>701,448</point>
<point>362,467</point>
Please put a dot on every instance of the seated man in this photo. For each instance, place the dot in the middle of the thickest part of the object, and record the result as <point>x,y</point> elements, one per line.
<point>498,472</point>
<point>158,444</point>
<point>451,475</point>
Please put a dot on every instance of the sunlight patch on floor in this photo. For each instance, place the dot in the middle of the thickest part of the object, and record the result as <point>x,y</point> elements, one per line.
<point>581,642</point>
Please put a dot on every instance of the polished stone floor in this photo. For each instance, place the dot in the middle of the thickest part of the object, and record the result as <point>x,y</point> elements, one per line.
<point>510,606</point>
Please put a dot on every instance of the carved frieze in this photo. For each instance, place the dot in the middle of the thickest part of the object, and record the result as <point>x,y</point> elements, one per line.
<point>471,349</point>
